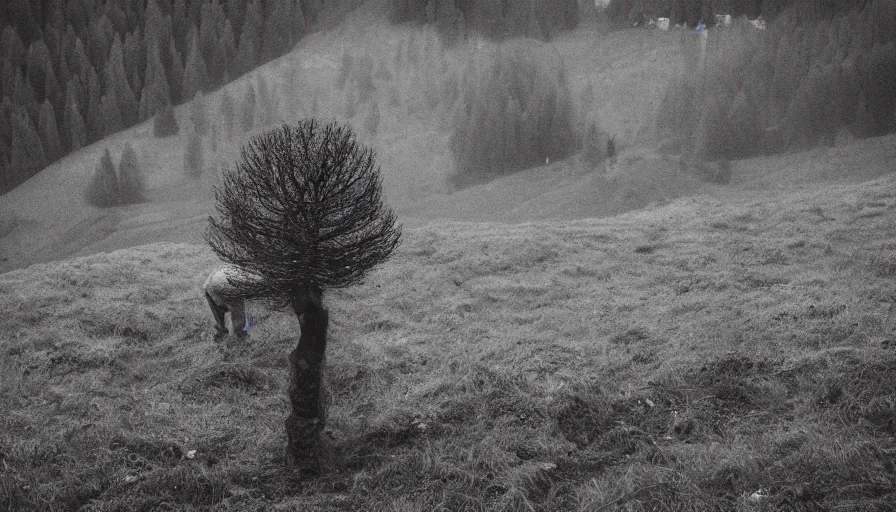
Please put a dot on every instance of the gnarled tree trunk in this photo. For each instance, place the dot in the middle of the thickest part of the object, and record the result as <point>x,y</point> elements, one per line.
<point>307,418</point>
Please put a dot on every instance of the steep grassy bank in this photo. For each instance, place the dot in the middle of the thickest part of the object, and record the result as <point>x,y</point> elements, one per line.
<point>708,354</point>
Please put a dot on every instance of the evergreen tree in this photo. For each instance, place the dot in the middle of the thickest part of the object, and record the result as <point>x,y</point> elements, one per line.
<point>38,64</point>
<point>27,150</point>
<point>247,57</point>
<point>276,30</point>
<point>100,40</point>
<point>74,128</point>
<point>165,124</point>
<point>94,119</point>
<point>22,17</point>
<point>228,112</point>
<point>12,48</point>
<point>225,52</point>
<point>247,117</point>
<point>176,74</point>
<point>135,63</point>
<point>198,115</point>
<point>49,132</point>
<point>195,71</point>
<point>372,118</point>
<point>131,185</point>
<point>298,26</point>
<point>23,96</point>
<point>111,115</point>
<point>193,158</point>
<point>116,81</point>
<point>102,189</point>
<point>156,94</point>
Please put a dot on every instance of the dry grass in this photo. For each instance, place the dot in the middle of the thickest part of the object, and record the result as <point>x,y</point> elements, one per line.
<point>706,355</point>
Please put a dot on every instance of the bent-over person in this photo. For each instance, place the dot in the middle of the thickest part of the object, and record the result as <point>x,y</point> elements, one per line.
<point>223,295</point>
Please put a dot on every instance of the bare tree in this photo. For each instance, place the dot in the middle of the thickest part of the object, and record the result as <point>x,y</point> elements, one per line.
<point>303,209</point>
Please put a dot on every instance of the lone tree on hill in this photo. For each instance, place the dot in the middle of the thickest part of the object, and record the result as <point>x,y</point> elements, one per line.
<point>303,209</point>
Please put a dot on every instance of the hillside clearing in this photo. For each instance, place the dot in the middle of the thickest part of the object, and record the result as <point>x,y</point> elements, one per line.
<point>707,354</point>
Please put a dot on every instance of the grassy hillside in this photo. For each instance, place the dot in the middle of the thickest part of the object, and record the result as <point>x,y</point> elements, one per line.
<point>730,353</point>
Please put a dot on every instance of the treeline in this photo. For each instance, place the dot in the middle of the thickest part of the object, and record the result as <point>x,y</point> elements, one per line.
<point>497,19</point>
<point>74,71</point>
<point>813,76</point>
<point>692,11</point>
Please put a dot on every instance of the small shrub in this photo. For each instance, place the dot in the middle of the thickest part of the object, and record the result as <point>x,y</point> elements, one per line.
<point>165,124</point>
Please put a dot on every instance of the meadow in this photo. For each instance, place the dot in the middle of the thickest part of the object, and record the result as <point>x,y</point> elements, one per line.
<point>711,353</point>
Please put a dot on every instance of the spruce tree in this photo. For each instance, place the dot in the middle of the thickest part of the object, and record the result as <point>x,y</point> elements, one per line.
<point>247,116</point>
<point>228,111</point>
<point>23,96</point>
<point>198,114</point>
<point>49,132</point>
<point>193,158</point>
<point>276,32</point>
<point>27,150</point>
<point>248,50</point>
<point>111,115</point>
<point>135,64</point>
<point>75,131</point>
<point>225,52</point>
<point>116,80</point>
<point>195,72</point>
<point>175,75</point>
<point>102,189</point>
<point>38,63</point>
<point>94,119</point>
<point>165,124</point>
<point>131,185</point>
<point>156,94</point>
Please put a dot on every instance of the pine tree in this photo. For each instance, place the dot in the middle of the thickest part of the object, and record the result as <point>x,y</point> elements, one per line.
<point>74,128</point>
<point>95,123</point>
<point>198,115</point>
<point>225,52</point>
<point>247,57</point>
<point>297,26</point>
<point>135,64</point>
<point>100,40</point>
<point>49,132</point>
<point>195,71</point>
<point>38,63</point>
<point>247,117</point>
<point>23,95</point>
<point>102,189</point>
<point>265,105</point>
<point>131,185</point>
<point>164,123</point>
<point>176,75</point>
<point>155,94</point>
<point>372,118</point>
<point>27,150</point>
<point>22,17</point>
<point>116,80</point>
<point>111,115</point>
<point>228,111</point>
<point>193,158</point>
<point>276,32</point>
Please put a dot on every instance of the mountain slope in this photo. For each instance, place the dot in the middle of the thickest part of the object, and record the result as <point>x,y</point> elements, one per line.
<point>714,353</point>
